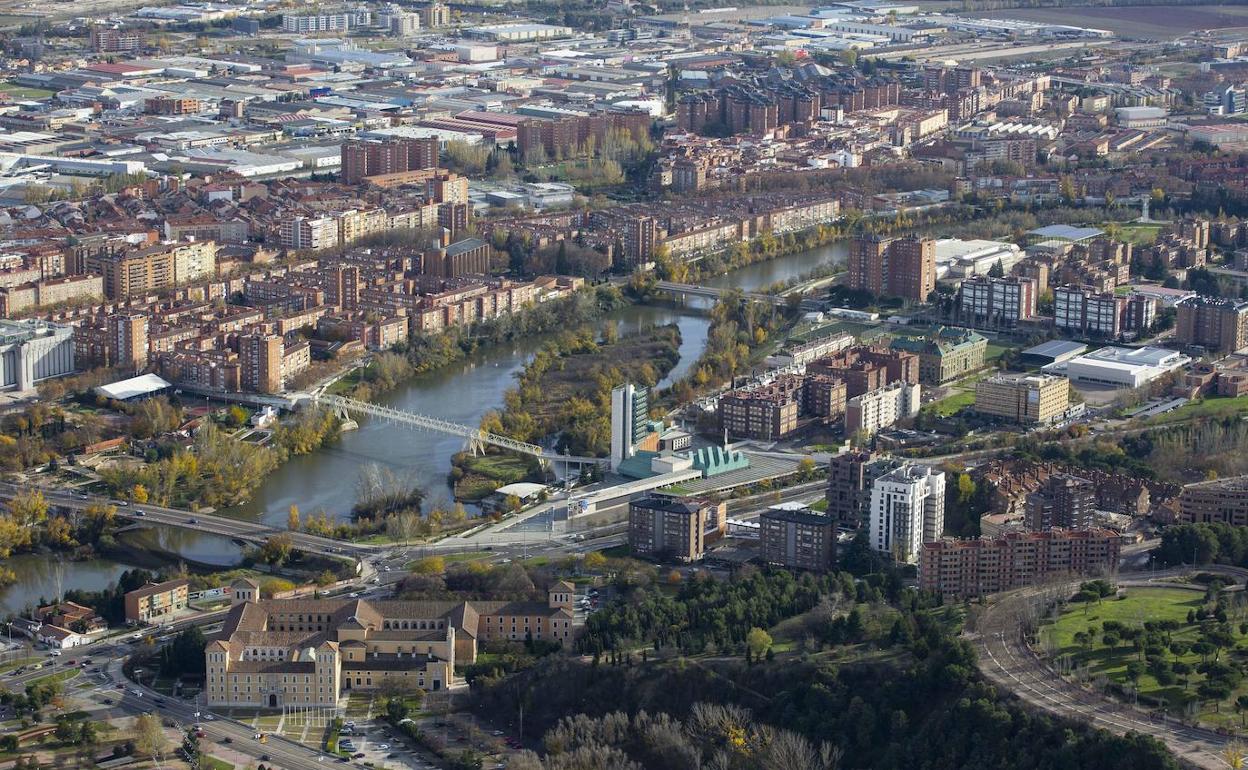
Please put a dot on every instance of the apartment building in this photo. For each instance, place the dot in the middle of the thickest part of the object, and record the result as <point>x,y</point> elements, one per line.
<point>363,158</point>
<point>340,21</point>
<point>867,367</point>
<point>156,602</point>
<point>965,569</point>
<point>1026,399</point>
<point>850,477</point>
<point>1214,323</point>
<point>668,528</point>
<point>1062,501</point>
<point>566,136</point>
<point>877,409</point>
<point>312,652</point>
<point>895,267</point>
<point>260,358</point>
<point>1221,501</point>
<point>795,537</point>
<point>309,233</point>
<point>907,510</point>
<point>127,341</point>
<point>771,412</point>
<point>1089,313</point>
<point>996,301</point>
<point>110,40</point>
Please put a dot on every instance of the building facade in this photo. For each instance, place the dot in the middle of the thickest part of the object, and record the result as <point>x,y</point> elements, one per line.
<point>1062,501</point>
<point>1221,501</point>
<point>907,510</point>
<point>1214,323</point>
<point>312,652</point>
<point>797,539</point>
<point>877,409</point>
<point>964,569</point>
<point>32,351</point>
<point>665,527</point>
<point>1026,399</point>
<point>156,602</point>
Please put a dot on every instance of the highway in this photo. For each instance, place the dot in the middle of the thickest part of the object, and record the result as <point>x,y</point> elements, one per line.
<point>1007,659</point>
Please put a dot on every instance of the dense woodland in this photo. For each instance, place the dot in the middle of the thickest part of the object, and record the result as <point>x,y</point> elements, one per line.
<point>882,682</point>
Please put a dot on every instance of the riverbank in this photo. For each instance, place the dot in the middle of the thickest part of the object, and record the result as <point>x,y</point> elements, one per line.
<point>564,392</point>
<point>464,389</point>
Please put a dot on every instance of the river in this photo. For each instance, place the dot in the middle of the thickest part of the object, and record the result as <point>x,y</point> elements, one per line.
<point>462,392</point>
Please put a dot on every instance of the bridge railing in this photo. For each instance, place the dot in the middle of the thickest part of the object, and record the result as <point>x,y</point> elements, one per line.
<point>427,423</point>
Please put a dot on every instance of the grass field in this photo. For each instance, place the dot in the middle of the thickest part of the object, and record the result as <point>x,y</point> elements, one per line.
<point>208,762</point>
<point>995,350</point>
<point>22,92</point>
<point>1139,606</point>
<point>1140,234</point>
<point>952,404</point>
<point>1218,406</point>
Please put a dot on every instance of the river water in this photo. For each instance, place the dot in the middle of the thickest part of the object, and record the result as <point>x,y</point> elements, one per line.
<point>461,393</point>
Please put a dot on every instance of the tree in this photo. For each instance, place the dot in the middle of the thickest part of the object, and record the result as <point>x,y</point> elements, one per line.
<point>594,561</point>
<point>28,507</point>
<point>292,519</point>
<point>149,737</point>
<point>758,642</point>
<point>277,549</point>
<point>430,565</point>
<point>138,493</point>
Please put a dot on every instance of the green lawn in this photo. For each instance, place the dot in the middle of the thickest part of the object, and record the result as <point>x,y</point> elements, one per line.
<point>952,404</point>
<point>995,350</point>
<point>17,664</point>
<point>1140,234</point>
<point>820,505</point>
<point>1140,606</point>
<point>22,92</point>
<point>506,468</point>
<point>207,762</point>
<point>60,676</point>
<point>1216,406</point>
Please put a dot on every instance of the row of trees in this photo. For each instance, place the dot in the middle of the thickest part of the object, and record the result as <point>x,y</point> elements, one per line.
<point>26,523</point>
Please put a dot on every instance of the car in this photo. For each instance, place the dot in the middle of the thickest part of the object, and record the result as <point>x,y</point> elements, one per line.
<point>344,759</point>
<point>55,653</point>
<point>159,701</point>
<point>122,503</point>
<point>108,701</point>
<point>137,512</point>
<point>498,733</point>
<point>392,755</point>
<point>192,520</point>
<point>358,755</point>
<point>387,568</point>
<point>265,758</point>
<point>227,739</point>
<point>383,747</point>
<point>208,717</point>
<point>137,693</point>
<point>86,661</point>
<point>71,662</point>
<point>355,595</point>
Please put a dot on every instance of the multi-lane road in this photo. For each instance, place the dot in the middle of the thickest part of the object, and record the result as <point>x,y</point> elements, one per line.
<point>1007,659</point>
